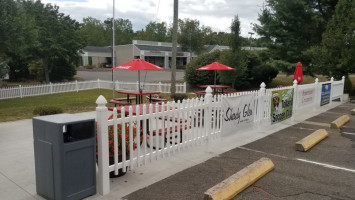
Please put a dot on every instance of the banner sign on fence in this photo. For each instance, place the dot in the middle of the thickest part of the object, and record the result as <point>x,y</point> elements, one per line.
<point>238,113</point>
<point>306,97</point>
<point>325,95</point>
<point>281,105</point>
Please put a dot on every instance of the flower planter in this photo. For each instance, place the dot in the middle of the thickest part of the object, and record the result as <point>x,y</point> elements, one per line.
<point>120,171</point>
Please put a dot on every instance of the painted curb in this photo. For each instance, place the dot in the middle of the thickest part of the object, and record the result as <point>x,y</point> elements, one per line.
<point>353,111</point>
<point>338,123</point>
<point>239,181</point>
<point>308,142</point>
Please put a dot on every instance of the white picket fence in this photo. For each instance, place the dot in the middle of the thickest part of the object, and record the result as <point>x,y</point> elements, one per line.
<point>53,88</point>
<point>170,128</point>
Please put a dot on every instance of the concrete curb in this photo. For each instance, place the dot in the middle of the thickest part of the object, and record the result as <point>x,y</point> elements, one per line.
<point>353,111</point>
<point>338,123</point>
<point>239,181</point>
<point>308,142</point>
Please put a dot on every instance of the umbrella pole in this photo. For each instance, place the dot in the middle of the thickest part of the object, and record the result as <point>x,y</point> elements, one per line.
<point>113,87</point>
<point>215,75</point>
<point>139,81</point>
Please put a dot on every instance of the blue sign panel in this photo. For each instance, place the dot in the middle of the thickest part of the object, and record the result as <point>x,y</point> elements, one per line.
<point>325,96</point>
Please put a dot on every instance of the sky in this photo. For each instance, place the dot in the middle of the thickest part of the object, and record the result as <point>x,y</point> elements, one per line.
<point>217,14</point>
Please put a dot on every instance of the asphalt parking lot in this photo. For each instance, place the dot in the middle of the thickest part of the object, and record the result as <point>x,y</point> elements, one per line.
<point>327,171</point>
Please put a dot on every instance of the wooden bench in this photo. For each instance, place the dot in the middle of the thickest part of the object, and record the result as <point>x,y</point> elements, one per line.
<point>156,100</point>
<point>120,103</point>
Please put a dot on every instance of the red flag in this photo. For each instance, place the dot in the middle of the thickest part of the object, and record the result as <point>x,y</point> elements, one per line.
<point>298,75</point>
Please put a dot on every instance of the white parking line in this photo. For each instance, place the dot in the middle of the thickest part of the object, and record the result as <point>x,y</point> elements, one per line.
<point>302,160</point>
<point>326,165</point>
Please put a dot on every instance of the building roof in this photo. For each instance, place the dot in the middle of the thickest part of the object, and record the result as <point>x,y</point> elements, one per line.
<point>106,49</point>
<point>209,48</point>
<point>156,48</point>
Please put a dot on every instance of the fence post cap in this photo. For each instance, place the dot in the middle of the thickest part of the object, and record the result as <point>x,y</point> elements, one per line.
<point>208,90</point>
<point>317,80</point>
<point>101,101</point>
<point>343,77</point>
<point>295,82</point>
<point>262,85</point>
<point>332,79</point>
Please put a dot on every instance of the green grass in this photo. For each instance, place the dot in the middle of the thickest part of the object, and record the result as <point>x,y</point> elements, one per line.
<point>287,80</point>
<point>70,102</point>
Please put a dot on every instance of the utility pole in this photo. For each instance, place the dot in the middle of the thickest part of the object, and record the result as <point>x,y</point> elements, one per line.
<point>174,50</point>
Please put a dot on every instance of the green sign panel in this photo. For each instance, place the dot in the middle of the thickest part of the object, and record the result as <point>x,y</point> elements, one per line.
<point>281,105</point>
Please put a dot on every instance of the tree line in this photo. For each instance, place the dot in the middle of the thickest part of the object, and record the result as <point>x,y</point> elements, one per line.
<point>318,33</point>
<point>38,42</point>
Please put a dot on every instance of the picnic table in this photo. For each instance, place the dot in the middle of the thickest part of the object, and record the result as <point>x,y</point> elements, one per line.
<point>138,94</point>
<point>216,88</point>
<point>164,130</point>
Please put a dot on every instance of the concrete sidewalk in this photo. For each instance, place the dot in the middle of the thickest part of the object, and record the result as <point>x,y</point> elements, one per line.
<point>17,177</point>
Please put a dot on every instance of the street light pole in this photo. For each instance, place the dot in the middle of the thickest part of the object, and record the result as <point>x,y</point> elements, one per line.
<point>113,48</point>
<point>251,34</point>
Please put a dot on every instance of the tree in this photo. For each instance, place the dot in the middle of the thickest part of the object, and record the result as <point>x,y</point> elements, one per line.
<point>123,31</point>
<point>94,32</point>
<point>294,26</point>
<point>234,58</point>
<point>335,55</point>
<point>58,41</point>
<point>194,77</point>
<point>155,31</point>
<point>190,36</point>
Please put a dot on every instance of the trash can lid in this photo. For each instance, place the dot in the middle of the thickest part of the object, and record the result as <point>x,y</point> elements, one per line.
<point>64,118</point>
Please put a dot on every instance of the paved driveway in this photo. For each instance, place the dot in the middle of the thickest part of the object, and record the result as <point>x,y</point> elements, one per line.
<point>327,171</point>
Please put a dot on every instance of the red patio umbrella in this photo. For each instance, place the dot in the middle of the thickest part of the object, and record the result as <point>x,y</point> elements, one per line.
<point>215,66</point>
<point>138,64</point>
<point>298,75</point>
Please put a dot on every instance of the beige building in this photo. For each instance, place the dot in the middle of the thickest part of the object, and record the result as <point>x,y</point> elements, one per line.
<point>158,53</point>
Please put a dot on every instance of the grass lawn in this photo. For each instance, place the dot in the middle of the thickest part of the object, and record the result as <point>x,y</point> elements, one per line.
<point>70,102</point>
<point>287,80</point>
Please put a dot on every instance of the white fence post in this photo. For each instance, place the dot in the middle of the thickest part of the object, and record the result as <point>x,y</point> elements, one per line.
<point>262,88</point>
<point>316,100</point>
<point>20,91</point>
<point>331,90</point>
<point>261,103</point>
<point>102,146</point>
<point>295,98</point>
<point>342,97</point>
<point>76,86</point>
<point>160,87</point>
<point>208,113</point>
<point>50,88</point>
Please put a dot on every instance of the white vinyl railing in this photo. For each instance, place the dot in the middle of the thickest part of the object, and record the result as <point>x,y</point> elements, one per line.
<point>52,88</point>
<point>157,131</point>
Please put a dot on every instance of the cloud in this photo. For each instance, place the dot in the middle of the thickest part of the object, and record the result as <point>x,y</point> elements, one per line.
<point>217,14</point>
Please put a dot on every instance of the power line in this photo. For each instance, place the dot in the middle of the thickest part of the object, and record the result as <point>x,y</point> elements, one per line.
<point>156,17</point>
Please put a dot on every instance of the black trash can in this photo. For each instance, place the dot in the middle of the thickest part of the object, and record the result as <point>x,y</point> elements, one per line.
<point>64,149</point>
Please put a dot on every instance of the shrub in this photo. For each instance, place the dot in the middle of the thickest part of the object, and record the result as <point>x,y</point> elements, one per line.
<point>179,96</point>
<point>89,66</point>
<point>47,110</point>
<point>264,73</point>
<point>194,77</point>
<point>348,86</point>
